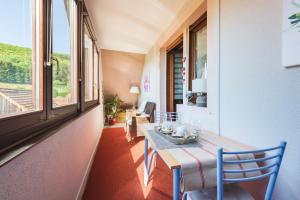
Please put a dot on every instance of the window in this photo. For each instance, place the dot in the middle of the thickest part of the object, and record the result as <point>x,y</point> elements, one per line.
<point>96,73</point>
<point>91,65</point>
<point>198,50</point>
<point>64,53</point>
<point>41,70</point>
<point>88,64</point>
<point>21,78</point>
<point>200,59</point>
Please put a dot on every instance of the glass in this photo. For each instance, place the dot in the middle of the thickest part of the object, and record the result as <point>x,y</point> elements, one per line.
<point>88,65</point>
<point>201,53</point>
<point>96,64</point>
<point>177,77</point>
<point>64,64</point>
<point>20,67</point>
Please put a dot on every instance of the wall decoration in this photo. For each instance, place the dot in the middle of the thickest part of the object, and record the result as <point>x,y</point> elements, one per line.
<point>183,75</point>
<point>291,33</point>
<point>147,82</point>
<point>183,72</point>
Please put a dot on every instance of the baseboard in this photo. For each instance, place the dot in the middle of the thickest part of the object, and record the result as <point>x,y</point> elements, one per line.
<point>88,169</point>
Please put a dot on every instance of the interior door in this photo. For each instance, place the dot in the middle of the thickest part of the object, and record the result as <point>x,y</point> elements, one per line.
<point>174,77</point>
<point>170,82</point>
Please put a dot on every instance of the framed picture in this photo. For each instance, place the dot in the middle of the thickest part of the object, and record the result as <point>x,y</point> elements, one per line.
<point>291,33</point>
<point>147,82</point>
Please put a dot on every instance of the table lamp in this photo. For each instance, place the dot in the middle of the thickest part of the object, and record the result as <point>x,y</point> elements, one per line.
<point>199,86</point>
<point>134,90</point>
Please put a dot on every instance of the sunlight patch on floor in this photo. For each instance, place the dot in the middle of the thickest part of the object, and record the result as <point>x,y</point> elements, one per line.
<point>138,158</point>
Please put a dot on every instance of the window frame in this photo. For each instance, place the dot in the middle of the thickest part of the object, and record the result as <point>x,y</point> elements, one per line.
<point>98,78</point>
<point>170,72</point>
<point>86,105</point>
<point>63,111</point>
<point>18,130</point>
<point>193,29</point>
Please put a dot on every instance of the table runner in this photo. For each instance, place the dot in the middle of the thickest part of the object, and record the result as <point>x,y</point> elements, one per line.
<point>159,142</point>
<point>199,163</point>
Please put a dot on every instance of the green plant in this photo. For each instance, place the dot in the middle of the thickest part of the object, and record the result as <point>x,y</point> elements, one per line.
<point>112,106</point>
<point>295,20</point>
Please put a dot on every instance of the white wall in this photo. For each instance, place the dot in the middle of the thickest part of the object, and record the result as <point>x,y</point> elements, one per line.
<point>121,70</point>
<point>207,118</point>
<point>260,99</point>
<point>252,97</point>
<point>155,61</point>
<point>152,69</point>
<point>56,167</point>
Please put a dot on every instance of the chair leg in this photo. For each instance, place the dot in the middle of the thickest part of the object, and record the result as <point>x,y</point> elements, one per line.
<point>184,196</point>
<point>176,184</point>
<point>152,158</point>
<point>146,174</point>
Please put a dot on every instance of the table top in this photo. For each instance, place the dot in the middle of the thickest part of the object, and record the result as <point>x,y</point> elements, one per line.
<point>170,159</point>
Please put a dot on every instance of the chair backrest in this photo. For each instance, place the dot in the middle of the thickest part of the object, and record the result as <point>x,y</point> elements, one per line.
<point>150,110</point>
<point>142,106</point>
<point>166,116</point>
<point>272,168</point>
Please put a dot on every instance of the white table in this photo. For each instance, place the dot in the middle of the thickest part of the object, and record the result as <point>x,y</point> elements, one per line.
<point>170,159</point>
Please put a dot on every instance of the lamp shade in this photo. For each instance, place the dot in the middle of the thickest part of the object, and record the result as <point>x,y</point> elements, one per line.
<point>134,90</point>
<point>199,85</point>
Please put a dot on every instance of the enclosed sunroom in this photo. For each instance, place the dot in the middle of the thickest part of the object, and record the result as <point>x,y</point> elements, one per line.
<point>149,99</point>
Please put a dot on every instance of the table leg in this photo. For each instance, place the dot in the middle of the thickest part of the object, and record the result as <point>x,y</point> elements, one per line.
<point>176,184</point>
<point>146,174</point>
<point>155,160</point>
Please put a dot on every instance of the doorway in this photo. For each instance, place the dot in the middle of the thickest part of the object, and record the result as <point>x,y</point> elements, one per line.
<point>174,75</point>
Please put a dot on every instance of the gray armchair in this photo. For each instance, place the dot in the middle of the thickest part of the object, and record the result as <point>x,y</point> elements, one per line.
<point>134,118</point>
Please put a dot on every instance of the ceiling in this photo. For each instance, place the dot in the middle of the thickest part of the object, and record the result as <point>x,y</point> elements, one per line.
<point>132,25</point>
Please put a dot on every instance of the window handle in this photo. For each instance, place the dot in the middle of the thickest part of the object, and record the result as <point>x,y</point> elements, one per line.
<point>47,64</point>
<point>57,64</point>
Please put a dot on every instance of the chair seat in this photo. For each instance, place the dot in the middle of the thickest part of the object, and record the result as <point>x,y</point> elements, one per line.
<point>144,114</point>
<point>129,122</point>
<point>231,192</point>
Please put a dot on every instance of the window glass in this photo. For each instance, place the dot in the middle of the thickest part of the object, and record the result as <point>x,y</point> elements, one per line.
<point>64,66</point>
<point>201,53</point>
<point>20,67</point>
<point>96,65</point>
<point>39,67</point>
<point>88,65</point>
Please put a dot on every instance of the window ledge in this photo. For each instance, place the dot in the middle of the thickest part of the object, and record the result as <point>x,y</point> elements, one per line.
<point>193,108</point>
<point>17,150</point>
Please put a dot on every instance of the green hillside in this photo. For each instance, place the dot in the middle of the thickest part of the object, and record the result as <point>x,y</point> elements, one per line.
<point>15,64</point>
<point>16,68</point>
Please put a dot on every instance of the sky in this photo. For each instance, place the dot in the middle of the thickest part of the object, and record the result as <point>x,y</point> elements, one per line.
<point>16,24</point>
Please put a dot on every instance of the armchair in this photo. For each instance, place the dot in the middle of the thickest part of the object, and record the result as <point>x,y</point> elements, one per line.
<point>136,117</point>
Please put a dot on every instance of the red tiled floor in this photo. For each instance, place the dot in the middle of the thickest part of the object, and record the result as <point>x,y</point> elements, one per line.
<point>117,172</point>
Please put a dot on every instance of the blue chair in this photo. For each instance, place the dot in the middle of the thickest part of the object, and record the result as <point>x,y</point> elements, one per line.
<point>232,191</point>
<point>160,117</point>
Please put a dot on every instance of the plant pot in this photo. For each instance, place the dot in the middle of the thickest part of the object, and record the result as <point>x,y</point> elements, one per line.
<point>112,121</point>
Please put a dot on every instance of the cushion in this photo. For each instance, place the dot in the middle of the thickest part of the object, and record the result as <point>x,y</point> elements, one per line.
<point>129,122</point>
<point>231,192</point>
<point>145,114</point>
<point>142,107</point>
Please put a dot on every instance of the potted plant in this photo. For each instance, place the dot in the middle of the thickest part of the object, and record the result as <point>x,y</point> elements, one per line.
<point>112,108</point>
